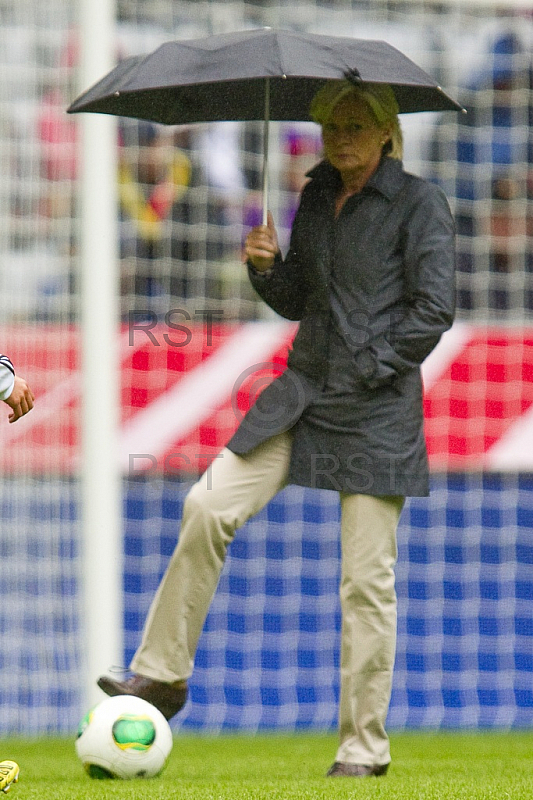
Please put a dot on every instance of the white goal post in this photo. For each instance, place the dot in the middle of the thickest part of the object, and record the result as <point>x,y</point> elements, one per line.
<point>101,481</point>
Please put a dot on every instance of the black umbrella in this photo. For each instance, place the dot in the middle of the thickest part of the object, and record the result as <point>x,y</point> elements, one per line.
<point>254,75</point>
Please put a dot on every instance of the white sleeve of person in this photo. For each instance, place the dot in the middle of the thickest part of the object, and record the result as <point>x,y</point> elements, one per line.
<point>7,377</point>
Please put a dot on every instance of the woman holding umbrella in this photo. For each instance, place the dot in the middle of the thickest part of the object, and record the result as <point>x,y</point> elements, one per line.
<point>370,276</point>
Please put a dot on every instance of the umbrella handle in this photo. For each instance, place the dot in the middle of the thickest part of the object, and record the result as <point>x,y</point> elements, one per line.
<point>265,149</point>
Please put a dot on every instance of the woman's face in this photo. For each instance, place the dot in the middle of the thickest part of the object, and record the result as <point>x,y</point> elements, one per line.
<point>353,140</point>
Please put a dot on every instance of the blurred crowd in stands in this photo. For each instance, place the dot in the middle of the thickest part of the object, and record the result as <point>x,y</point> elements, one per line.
<point>187,196</point>
<point>492,182</point>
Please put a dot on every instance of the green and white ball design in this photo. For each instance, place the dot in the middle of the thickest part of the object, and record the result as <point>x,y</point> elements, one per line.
<point>123,737</point>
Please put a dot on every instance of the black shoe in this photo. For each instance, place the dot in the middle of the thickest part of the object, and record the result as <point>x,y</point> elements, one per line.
<point>169,698</point>
<point>340,770</point>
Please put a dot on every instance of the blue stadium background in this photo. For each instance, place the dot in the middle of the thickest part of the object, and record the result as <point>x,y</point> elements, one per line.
<point>268,657</point>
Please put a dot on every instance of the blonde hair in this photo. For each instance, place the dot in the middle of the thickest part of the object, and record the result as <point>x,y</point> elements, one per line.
<point>379,98</point>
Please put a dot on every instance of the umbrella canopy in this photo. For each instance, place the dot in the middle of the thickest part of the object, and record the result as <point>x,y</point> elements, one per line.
<point>260,74</point>
<point>222,77</point>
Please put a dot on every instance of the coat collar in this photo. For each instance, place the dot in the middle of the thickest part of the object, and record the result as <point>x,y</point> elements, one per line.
<point>388,178</point>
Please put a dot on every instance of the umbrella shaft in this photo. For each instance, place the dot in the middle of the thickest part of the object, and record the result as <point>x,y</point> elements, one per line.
<point>265,149</point>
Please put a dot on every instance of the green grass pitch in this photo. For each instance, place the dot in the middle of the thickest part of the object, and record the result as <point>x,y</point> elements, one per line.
<point>426,766</point>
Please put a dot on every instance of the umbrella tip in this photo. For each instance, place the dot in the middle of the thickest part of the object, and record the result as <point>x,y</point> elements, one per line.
<point>457,105</point>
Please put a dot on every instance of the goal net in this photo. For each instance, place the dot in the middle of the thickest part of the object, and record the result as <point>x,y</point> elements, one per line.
<point>192,329</point>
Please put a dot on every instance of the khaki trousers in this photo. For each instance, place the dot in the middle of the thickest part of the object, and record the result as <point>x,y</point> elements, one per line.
<point>231,491</point>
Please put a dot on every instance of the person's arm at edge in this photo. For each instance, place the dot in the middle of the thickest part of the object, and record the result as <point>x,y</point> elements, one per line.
<point>14,391</point>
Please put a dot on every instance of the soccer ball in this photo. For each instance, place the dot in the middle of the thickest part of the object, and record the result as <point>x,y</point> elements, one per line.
<point>123,737</point>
